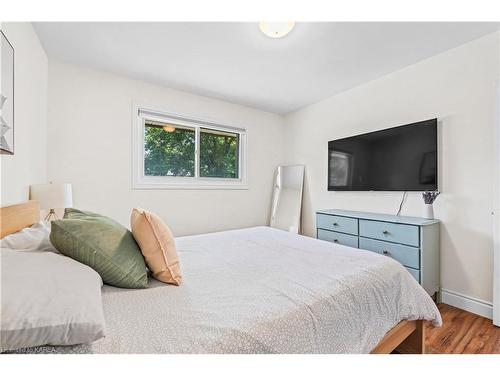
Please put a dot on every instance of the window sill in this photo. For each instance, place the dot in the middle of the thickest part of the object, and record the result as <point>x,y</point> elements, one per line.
<point>195,186</point>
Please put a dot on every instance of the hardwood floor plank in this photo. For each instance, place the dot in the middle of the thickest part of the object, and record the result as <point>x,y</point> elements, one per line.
<point>462,332</point>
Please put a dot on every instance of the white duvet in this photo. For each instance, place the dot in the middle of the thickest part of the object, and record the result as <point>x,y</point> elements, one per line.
<point>262,290</point>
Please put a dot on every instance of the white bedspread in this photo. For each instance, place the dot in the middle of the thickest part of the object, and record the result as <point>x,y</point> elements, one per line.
<point>261,290</point>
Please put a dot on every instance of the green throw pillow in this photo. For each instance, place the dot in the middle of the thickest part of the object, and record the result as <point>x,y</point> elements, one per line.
<point>103,244</point>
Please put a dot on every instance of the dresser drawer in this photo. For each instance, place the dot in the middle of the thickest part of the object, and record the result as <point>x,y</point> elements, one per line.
<point>337,223</point>
<point>398,233</point>
<point>340,238</point>
<point>414,273</point>
<point>406,255</point>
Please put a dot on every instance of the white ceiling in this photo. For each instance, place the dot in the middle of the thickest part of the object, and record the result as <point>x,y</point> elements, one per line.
<point>237,63</point>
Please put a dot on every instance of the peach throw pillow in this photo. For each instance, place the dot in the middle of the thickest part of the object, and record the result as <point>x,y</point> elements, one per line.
<point>157,246</point>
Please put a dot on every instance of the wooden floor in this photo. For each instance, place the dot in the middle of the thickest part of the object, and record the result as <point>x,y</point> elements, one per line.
<point>462,332</point>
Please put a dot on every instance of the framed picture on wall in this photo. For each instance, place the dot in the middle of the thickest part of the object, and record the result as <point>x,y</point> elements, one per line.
<point>6,95</point>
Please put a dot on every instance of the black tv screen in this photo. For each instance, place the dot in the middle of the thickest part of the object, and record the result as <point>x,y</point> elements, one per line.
<point>403,158</point>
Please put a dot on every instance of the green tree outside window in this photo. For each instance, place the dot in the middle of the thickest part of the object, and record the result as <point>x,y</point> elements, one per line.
<point>169,150</point>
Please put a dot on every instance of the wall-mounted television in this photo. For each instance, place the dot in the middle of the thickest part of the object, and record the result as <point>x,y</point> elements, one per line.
<point>403,158</point>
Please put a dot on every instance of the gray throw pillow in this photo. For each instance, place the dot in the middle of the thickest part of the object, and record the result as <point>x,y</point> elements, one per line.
<point>103,244</point>
<point>48,299</point>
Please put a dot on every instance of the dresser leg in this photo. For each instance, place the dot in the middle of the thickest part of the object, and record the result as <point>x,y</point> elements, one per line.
<point>436,297</point>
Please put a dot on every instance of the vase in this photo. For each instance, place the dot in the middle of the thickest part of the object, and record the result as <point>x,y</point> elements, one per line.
<point>428,211</point>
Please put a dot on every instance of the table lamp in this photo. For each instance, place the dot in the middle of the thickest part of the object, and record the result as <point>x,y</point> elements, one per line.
<point>51,197</point>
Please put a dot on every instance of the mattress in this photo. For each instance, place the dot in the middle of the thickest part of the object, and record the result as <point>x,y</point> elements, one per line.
<point>262,290</point>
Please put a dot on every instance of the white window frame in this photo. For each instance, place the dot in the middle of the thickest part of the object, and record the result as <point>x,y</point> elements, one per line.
<point>141,113</point>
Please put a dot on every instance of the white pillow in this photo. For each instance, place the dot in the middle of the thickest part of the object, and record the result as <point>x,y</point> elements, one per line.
<point>48,299</point>
<point>34,238</point>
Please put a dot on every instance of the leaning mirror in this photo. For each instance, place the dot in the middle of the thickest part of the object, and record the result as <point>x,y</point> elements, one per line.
<point>287,198</point>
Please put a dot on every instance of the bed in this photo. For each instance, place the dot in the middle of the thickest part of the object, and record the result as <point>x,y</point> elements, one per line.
<point>262,290</point>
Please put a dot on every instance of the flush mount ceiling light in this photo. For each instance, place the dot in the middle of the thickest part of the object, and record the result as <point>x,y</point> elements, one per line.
<point>276,29</point>
<point>169,128</point>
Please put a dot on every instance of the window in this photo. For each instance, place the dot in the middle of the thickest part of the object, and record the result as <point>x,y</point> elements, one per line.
<point>219,153</point>
<point>172,151</point>
<point>340,165</point>
<point>169,150</point>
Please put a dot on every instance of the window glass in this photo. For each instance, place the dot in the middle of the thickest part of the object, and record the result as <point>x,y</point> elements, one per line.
<point>169,150</point>
<point>219,154</point>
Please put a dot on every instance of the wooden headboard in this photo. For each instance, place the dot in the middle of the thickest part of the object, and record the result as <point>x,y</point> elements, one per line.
<point>17,217</point>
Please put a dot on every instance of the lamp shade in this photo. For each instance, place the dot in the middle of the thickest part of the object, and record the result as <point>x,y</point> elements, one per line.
<point>52,195</point>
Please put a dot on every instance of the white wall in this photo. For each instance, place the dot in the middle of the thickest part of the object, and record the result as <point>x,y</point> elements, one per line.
<point>28,165</point>
<point>496,237</point>
<point>89,133</point>
<point>460,88</point>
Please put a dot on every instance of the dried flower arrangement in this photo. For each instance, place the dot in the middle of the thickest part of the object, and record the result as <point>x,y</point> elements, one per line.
<point>430,196</point>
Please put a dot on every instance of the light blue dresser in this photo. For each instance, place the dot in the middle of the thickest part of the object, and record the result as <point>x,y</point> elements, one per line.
<point>412,241</point>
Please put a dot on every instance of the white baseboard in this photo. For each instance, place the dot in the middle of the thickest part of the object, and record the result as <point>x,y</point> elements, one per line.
<point>471,304</point>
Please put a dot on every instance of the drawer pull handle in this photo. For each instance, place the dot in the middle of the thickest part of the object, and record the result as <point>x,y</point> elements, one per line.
<point>385,252</point>
<point>335,240</point>
<point>385,232</point>
<point>335,225</point>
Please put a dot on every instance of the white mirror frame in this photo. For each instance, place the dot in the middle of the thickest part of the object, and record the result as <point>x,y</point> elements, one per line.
<point>287,198</point>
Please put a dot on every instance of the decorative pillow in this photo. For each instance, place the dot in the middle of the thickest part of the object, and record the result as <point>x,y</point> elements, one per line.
<point>48,299</point>
<point>103,244</point>
<point>34,238</point>
<point>157,245</point>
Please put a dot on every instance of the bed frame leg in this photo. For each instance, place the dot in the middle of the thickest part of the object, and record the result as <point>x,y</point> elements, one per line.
<point>415,342</point>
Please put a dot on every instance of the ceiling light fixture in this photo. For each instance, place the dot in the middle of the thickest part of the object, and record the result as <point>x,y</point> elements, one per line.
<point>169,128</point>
<point>276,29</point>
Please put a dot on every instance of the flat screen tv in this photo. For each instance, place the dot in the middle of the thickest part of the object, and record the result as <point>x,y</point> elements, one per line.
<point>403,158</point>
